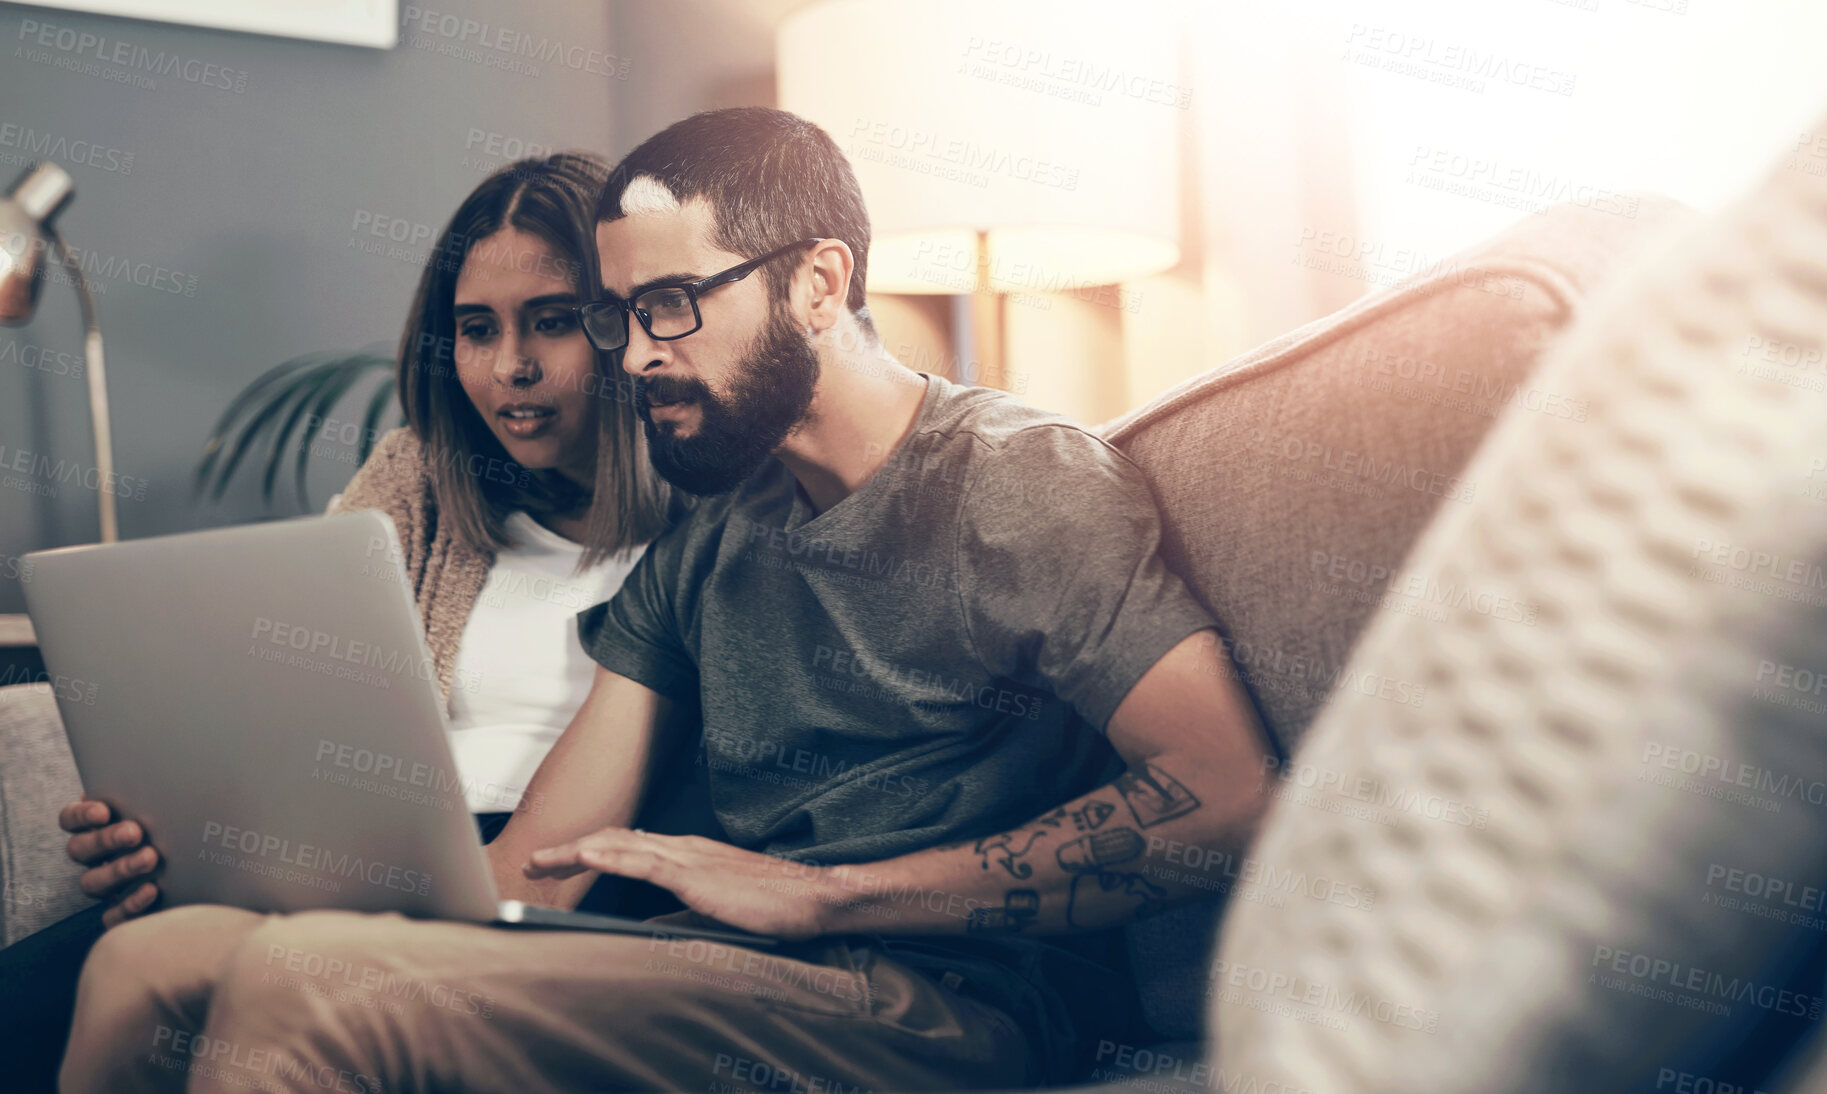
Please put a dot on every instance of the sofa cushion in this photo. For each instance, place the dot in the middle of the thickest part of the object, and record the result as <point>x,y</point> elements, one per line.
<point>1293,480</point>
<point>1634,902</point>
<point>37,778</point>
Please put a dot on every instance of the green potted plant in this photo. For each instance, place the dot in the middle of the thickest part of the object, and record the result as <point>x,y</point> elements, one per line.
<point>278,412</point>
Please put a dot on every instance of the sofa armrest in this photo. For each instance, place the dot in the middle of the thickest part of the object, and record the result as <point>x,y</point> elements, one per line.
<point>37,779</point>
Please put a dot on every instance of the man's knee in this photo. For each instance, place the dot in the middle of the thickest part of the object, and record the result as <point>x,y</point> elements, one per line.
<point>315,954</point>
<point>166,948</point>
<point>346,970</point>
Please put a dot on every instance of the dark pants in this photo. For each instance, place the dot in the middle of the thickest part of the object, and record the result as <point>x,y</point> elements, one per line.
<point>38,977</point>
<point>38,973</point>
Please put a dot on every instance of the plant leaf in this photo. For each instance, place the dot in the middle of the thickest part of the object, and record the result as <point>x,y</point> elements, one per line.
<point>217,440</point>
<point>309,387</point>
<point>349,371</point>
<point>377,404</point>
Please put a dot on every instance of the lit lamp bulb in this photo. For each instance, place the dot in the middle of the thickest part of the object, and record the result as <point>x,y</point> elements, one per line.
<point>25,217</point>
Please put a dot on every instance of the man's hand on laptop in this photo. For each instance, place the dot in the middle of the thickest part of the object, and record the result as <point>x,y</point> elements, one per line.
<point>120,861</point>
<point>742,889</point>
<point>1197,781</point>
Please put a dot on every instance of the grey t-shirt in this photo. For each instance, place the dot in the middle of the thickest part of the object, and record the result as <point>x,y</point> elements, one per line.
<point>932,659</point>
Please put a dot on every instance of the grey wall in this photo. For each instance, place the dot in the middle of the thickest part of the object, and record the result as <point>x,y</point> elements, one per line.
<point>247,201</point>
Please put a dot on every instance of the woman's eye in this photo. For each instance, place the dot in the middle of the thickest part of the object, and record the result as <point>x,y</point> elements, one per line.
<point>476,330</point>
<point>555,323</point>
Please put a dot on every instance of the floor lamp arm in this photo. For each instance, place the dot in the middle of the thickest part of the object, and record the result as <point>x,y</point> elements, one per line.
<point>98,389</point>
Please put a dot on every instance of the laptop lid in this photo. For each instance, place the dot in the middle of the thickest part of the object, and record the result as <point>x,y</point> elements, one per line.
<point>261,699</point>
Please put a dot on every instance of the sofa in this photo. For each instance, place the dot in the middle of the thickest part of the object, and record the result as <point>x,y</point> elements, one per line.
<point>1293,481</point>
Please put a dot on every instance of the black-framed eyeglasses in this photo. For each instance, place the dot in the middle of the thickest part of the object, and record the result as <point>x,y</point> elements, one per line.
<point>667,312</point>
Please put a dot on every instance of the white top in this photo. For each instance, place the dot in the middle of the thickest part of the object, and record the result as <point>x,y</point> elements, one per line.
<point>520,672</point>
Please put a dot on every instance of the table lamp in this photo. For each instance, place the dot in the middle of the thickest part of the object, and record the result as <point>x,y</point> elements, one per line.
<point>26,238</point>
<point>1006,147</point>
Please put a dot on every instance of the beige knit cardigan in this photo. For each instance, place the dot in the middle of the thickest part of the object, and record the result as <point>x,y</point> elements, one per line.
<point>445,575</point>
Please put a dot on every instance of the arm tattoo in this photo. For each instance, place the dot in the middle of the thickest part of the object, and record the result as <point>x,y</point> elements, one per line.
<point>1093,814</point>
<point>1154,796</point>
<point>1152,899</point>
<point>1018,910</point>
<point>1100,849</point>
<point>1004,846</point>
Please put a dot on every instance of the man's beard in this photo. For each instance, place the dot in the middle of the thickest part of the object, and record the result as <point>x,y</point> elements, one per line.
<point>770,394</point>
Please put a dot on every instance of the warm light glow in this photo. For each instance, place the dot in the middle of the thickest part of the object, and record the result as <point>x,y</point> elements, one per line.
<point>1058,258</point>
<point>1466,116</point>
<point>1053,126</point>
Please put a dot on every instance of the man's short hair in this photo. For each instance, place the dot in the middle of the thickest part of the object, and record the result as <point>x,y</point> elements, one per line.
<point>770,176</point>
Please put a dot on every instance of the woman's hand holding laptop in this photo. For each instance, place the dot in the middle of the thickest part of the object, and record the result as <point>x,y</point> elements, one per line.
<point>120,861</point>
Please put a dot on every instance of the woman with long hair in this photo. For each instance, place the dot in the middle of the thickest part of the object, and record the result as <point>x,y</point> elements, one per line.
<point>520,487</point>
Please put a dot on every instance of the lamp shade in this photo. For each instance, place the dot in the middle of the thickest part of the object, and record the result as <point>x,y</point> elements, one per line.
<point>25,213</point>
<point>1049,130</point>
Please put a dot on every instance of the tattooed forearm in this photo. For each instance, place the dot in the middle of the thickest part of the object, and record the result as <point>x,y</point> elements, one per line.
<point>1154,796</point>
<point>1099,871</point>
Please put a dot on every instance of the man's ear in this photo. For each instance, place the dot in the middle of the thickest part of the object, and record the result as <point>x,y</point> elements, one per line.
<point>832,266</point>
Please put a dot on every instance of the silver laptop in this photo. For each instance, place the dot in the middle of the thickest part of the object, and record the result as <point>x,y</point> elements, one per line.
<point>261,699</point>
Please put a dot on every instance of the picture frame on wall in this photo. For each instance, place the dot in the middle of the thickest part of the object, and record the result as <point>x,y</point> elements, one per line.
<point>371,23</point>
